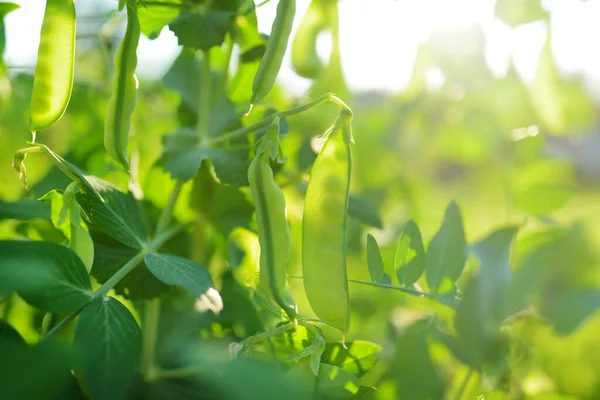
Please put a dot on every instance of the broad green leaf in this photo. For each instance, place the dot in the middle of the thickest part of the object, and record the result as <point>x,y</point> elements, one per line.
<point>173,270</point>
<point>111,255</point>
<point>412,369</point>
<point>446,254</point>
<point>24,210</point>
<point>543,199</point>
<point>360,208</point>
<point>318,347</point>
<point>9,337</point>
<point>358,358</point>
<point>374,260</point>
<point>517,12</point>
<point>336,383</point>
<point>366,393</point>
<point>55,198</point>
<point>155,15</point>
<point>47,275</point>
<point>201,31</point>
<point>37,372</point>
<point>410,255</point>
<point>567,309</point>
<point>108,342</point>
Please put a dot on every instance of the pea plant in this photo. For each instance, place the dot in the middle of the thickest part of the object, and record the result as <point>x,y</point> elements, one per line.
<point>193,291</point>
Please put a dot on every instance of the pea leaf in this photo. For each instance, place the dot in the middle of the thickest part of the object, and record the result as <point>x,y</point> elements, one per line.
<point>156,15</point>
<point>358,358</point>
<point>24,210</point>
<point>336,383</point>
<point>47,275</point>
<point>173,270</point>
<point>108,344</point>
<point>374,260</point>
<point>360,208</point>
<point>366,393</point>
<point>446,255</point>
<point>9,336</point>
<point>543,199</point>
<point>567,309</point>
<point>5,8</point>
<point>202,31</point>
<point>410,255</point>
<point>517,12</point>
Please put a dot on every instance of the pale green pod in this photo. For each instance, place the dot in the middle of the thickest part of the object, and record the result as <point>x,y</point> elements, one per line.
<point>270,64</point>
<point>124,93</point>
<point>273,232</point>
<point>324,227</point>
<point>305,60</point>
<point>53,79</point>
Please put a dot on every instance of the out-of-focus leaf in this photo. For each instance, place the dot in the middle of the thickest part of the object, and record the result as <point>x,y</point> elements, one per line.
<point>567,309</point>
<point>5,8</point>
<point>516,12</point>
<point>358,358</point>
<point>374,260</point>
<point>24,210</point>
<point>156,15</point>
<point>360,208</point>
<point>47,275</point>
<point>202,31</point>
<point>447,254</point>
<point>108,342</point>
<point>9,336</point>
<point>543,199</point>
<point>335,383</point>
<point>410,255</point>
<point>366,393</point>
<point>38,372</point>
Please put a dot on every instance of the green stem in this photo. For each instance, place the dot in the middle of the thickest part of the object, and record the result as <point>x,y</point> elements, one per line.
<point>228,50</point>
<point>463,385</point>
<point>167,213</point>
<point>282,114</point>
<point>205,98</point>
<point>150,333</point>
<point>158,241</point>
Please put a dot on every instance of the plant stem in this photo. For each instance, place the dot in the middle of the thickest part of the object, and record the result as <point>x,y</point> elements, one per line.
<point>150,333</point>
<point>205,98</point>
<point>282,114</point>
<point>167,213</point>
<point>228,50</point>
<point>154,245</point>
<point>463,385</point>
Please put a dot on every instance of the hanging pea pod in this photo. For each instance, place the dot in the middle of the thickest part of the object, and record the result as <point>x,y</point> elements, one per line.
<point>124,92</point>
<point>53,79</point>
<point>271,61</point>
<point>324,227</point>
<point>273,230</point>
<point>305,60</point>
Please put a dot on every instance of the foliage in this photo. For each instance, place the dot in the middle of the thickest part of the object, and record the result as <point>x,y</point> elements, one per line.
<point>463,247</point>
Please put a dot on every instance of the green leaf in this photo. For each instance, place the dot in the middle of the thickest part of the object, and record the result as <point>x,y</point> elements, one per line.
<point>410,255</point>
<point>37,372</point>
<point>24,210</point>
<point>5,8</point>
<point>9,336</point>
<point>374,260</point>
<point>47,275</point>
<point>360,208</point>
<point>543,199</point>
<point>110,256</point>
<point>446,254</point>
<point>358,358</point>
<point>156,15</point>
<point>336,383</point>
<point>366,393</point>
<point>173,270</point>
<point>567,309</point>
<point>108,342</point>
<point>517,12</point>
<point>202,31</point>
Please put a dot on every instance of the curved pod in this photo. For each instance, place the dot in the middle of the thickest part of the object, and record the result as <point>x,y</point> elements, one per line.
<point>270,64</point>
<point>124,93</point>
<point>324,227</point>
<point>305,60</point>
<point>53,79</point>
<point>273,232</point>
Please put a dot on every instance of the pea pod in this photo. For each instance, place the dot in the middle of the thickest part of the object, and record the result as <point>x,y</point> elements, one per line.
<point>305,60</point>
<point>53,79</point>
<point>273,230</point>
<point>81,242</point>
<point>276,46</point>
<point>324,227</point>
<point>124,92</point>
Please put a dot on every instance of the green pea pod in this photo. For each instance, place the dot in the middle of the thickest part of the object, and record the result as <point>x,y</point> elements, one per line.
<point>124,93</point>
<point>273,232</point>
<point>53,79</point>
<point>305,60</point>
<point>276,46</point>
<point>324,227</point>
<point>81,242</point>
